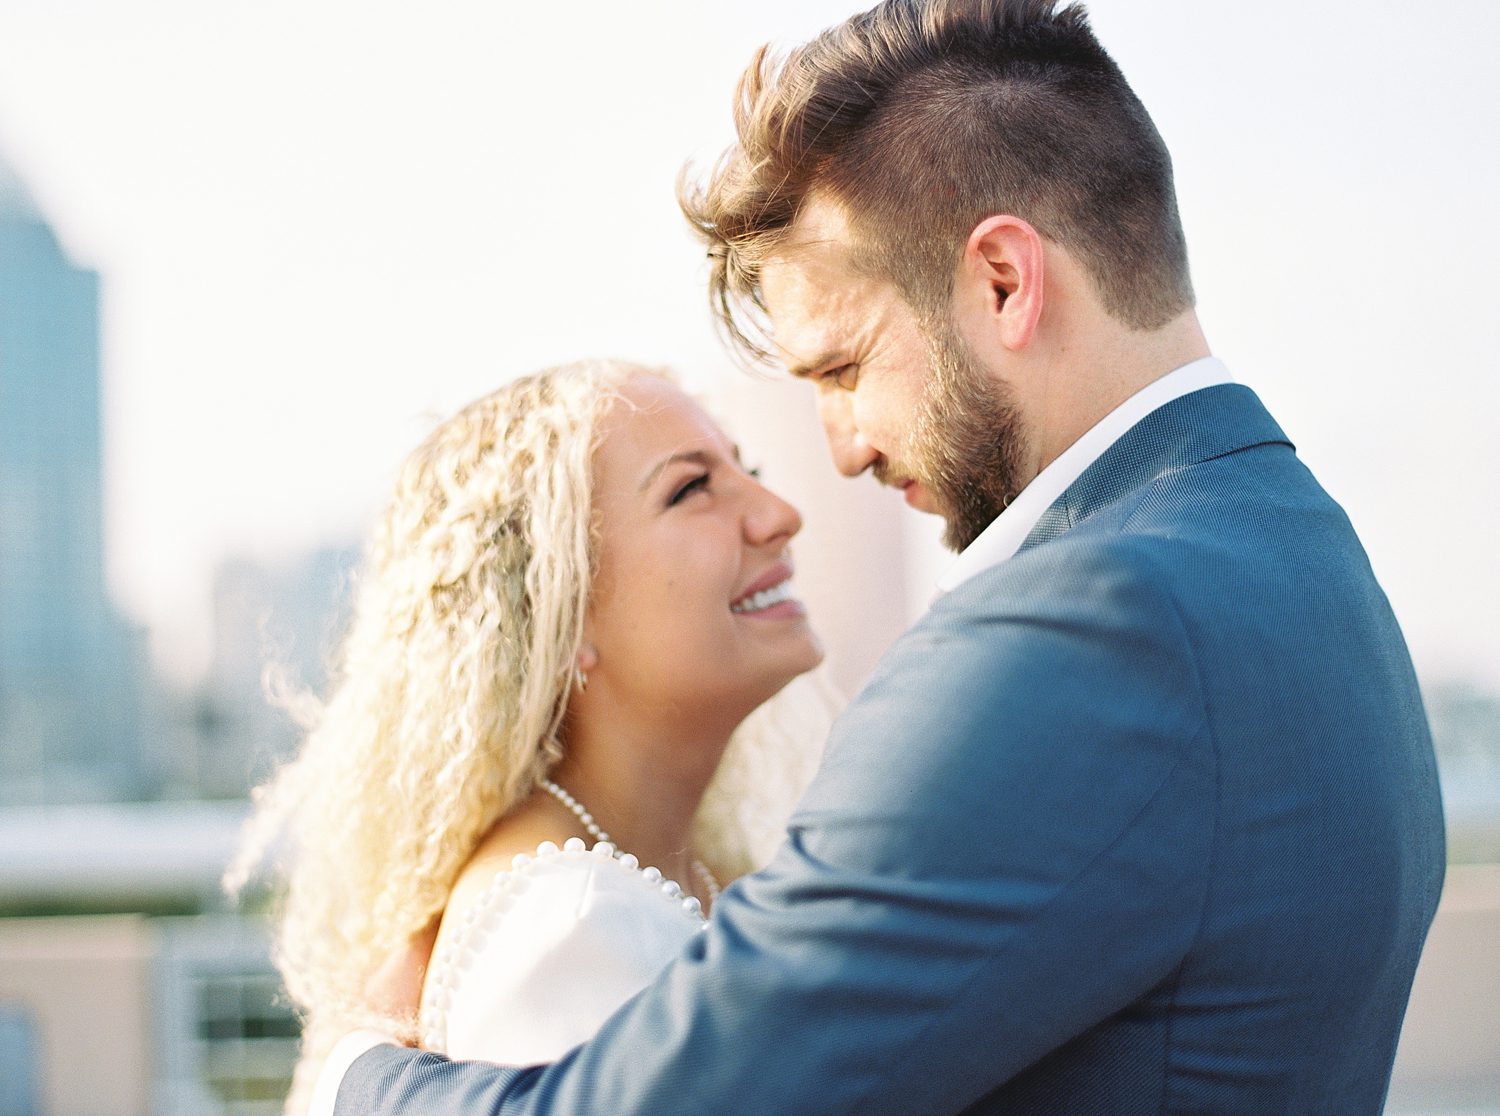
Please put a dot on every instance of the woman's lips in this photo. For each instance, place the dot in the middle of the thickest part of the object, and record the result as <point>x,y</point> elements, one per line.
<point>773,576</point>
<point>769,596</point>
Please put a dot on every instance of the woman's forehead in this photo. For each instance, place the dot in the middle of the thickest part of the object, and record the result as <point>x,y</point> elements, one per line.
<point>653,419</point>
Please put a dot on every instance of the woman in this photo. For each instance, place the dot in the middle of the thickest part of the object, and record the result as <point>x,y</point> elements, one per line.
<point>577,595</point>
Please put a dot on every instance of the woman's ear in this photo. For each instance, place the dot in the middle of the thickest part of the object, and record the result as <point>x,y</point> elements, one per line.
<point>1000,280</point>
<point>587,658</point>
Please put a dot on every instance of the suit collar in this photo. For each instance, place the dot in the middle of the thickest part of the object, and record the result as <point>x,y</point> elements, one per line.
<point>1187,431</point>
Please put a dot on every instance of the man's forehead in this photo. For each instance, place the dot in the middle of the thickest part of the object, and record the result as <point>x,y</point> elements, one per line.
<point>814,288</point>
<point>819,237</point>
<point>812,258</point>
<point>820,223</point>
<point>796,288</point>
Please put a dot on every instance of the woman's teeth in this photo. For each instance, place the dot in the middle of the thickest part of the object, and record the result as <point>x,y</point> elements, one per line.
<point>765,598</point>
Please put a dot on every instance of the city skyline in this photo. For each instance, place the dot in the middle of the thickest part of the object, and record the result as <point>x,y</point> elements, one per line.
<point>70,668</point>
<point>306,262</point>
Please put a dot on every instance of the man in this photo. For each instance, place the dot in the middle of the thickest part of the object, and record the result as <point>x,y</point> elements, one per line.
<point>1142,816</point>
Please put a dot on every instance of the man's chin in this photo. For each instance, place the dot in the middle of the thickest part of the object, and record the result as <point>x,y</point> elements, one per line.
<point>919,496</point>
<point>964,526</point>
<point>961,528</point>
<point>956,537</point>
<point>957,534</point>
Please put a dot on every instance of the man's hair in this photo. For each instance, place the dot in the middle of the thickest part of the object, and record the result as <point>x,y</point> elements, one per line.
<point>923,117</point>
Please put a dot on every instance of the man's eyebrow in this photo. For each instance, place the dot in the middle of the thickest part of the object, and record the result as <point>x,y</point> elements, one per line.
<point>696,457</point>
<point>822,361</point>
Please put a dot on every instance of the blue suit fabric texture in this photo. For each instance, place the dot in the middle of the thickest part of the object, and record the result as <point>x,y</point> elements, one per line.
<point>1143,820</point>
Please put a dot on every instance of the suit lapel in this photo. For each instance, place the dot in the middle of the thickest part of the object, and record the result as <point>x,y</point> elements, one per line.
<point>1187,431</point>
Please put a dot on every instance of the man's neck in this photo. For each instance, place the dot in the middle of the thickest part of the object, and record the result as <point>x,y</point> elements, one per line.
<point>1108,368</point>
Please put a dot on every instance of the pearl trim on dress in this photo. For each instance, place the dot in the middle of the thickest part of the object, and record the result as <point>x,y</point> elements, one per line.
<point>710,883</point>
<point>449,966</point>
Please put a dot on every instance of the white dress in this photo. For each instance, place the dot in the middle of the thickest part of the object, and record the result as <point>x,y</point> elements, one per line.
<point>548,952</point>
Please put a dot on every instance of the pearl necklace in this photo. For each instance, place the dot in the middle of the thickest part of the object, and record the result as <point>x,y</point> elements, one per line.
<point>591,827</point>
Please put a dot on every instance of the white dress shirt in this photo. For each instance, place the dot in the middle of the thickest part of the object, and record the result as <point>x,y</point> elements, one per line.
<point>1002,538</point>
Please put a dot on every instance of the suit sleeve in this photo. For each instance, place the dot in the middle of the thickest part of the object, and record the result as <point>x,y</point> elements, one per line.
<point>1007,843</point>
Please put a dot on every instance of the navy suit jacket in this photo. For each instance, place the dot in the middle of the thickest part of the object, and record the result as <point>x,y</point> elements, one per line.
<point>1143,820</point>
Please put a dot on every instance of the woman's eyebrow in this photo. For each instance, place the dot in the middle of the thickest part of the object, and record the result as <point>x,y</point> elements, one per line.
<point>696,457</point>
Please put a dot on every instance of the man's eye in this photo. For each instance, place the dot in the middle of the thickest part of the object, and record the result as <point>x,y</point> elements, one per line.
<point>694,485</point>
<point>845,376</point>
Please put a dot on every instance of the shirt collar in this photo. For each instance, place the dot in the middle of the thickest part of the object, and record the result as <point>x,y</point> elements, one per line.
<point>1002,538</point>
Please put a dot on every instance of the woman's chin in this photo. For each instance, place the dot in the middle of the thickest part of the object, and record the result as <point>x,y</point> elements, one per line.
<point>758,682</point>
<point>815,652</point>
<point>809,658</point>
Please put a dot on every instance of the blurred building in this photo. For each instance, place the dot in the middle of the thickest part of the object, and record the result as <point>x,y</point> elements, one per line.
<point>160,1001</point>
<point>69,675</point>
<point>276,628</point>
<point>1466,735</point>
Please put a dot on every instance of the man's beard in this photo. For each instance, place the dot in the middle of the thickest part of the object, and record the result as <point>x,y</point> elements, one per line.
<point>965,444</point>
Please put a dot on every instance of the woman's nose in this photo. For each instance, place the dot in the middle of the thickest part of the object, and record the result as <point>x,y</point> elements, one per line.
<point>770,518</point>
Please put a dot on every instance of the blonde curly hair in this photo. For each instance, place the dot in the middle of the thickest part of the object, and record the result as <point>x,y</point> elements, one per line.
<point>450,696</point>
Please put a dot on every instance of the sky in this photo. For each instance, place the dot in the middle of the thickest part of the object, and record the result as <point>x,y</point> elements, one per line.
<point>324,224</point>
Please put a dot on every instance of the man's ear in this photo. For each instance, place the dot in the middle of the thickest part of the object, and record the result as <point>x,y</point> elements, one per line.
<point>1001,279</point>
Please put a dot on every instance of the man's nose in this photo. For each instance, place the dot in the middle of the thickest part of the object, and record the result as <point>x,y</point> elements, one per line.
<point>852,455</point>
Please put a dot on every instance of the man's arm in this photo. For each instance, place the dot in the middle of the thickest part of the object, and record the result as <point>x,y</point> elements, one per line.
<point>1007,843</point>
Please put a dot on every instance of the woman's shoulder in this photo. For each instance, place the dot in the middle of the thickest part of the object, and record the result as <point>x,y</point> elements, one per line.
<point>518,834</point>
<point>530,844</point>
<point>552,926</point>
<point>514,839</point>
<point>582,883</point>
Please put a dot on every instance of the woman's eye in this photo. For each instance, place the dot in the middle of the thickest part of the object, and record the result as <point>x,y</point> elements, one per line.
<point>694,485</point>
<point>753,472</point>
